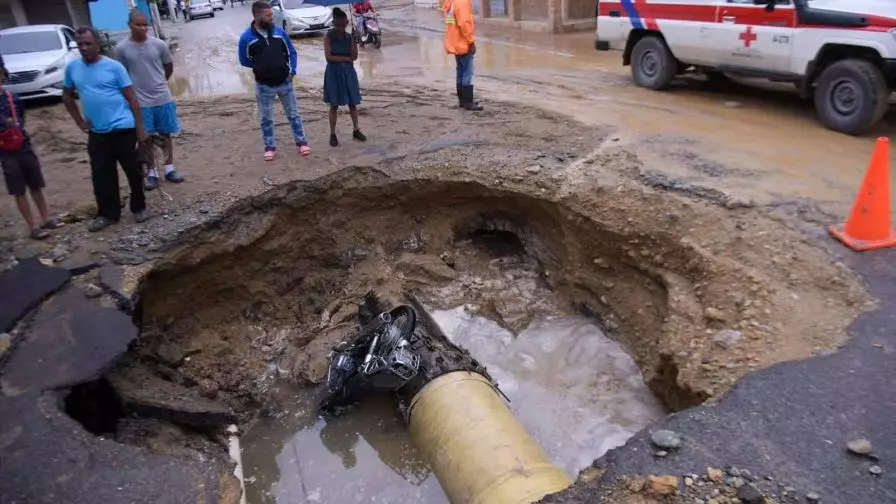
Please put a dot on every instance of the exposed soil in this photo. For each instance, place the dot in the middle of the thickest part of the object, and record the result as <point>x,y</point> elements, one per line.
<point>262,278</point>
<point>243,287</point>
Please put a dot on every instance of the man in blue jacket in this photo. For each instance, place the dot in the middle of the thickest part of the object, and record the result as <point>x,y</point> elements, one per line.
<point>269,52</point>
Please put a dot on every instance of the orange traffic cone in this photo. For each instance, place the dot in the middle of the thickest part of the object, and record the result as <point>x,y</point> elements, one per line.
<point>868,226</point>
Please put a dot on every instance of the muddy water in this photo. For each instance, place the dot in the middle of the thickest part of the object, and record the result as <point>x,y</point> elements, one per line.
<point>216,72</point>
<point>362,457</point>
<point>207,64</point>
<point>574,389</point>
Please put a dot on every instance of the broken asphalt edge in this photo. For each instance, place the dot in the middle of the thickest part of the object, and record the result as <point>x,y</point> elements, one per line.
<point>787,422</point>
<point>48,456</point>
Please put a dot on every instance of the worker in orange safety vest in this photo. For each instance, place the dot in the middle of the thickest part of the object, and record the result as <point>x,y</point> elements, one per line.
<point>460,40</point>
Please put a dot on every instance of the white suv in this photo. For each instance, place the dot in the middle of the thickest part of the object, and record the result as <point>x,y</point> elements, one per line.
<point>35,58</point>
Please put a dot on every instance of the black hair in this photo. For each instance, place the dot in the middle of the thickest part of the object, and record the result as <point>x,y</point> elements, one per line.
<point>89,29</point>
<point>134,13</point>
<point>339,14</point>
<point>260,6</point>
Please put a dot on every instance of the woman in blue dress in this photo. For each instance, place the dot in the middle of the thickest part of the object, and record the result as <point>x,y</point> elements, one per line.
<point>341,87</point>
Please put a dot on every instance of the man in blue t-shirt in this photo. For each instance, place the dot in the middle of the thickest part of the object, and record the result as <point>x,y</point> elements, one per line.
<point>114,125</point>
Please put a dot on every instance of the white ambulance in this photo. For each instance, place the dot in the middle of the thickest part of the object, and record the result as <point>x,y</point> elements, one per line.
<point>841,53</point>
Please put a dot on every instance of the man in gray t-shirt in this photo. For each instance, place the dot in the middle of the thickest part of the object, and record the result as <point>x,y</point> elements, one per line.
<point>149,63</point>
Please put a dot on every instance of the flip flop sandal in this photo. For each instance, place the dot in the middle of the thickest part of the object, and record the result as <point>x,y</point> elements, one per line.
<point>304,150</point>
<point>39,234</point>
<point>51,224</point>
<point>269,155</point>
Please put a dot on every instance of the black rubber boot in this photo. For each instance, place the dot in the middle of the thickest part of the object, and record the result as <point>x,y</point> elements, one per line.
<point>460,96</point>
<point>469,103</point>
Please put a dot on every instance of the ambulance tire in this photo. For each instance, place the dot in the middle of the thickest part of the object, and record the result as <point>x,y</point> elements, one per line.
<point>653,65</point>
<point>844,83</point>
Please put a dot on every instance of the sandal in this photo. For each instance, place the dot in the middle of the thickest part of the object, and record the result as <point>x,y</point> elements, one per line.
<point>51,224</point>
<point>304,150</point>
<point>334,142</point>
<point>269,155</point>
<point>39,234</point>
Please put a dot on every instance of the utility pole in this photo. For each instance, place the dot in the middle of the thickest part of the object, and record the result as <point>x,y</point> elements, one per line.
<point>156,21</point>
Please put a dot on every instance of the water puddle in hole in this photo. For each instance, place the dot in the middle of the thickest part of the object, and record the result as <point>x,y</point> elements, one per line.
<point>575,390</point>
<point>362,457</point>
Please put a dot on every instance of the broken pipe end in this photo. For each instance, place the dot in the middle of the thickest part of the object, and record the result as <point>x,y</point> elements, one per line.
<point>475,445</point>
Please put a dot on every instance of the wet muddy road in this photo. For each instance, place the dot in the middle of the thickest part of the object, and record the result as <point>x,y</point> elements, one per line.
<point>756,141</point>
<point>730,147</point>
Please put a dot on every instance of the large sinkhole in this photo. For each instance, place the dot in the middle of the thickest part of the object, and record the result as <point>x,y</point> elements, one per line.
<point>567,310</point>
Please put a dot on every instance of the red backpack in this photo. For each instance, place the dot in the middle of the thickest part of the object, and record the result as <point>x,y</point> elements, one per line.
<point>12,138</point>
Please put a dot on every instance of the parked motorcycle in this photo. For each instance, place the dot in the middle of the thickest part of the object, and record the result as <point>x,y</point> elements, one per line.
<point>372,33</point>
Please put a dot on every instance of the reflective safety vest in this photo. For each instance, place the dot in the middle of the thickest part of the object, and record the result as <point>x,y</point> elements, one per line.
<point>460,32</point>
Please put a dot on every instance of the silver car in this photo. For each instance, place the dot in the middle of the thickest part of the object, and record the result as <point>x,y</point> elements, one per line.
<point>201,8</point>
<point>35,57</point>
<point>300,17</point>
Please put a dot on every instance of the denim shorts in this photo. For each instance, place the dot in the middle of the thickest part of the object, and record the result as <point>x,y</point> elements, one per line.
<point>161,119</point>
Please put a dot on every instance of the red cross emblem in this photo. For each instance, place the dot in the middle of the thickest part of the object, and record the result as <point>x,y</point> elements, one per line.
<point>748,37</point>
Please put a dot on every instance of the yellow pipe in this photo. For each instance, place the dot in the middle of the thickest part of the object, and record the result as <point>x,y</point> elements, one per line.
<point>476,447</point>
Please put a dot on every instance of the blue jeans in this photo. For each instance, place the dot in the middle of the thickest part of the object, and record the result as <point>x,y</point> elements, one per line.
<point>464,70</point>
<point>265,95</point>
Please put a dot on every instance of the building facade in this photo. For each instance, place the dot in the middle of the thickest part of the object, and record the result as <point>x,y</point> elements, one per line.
<point>31,12</point>
<point>105,15</point>
<point>551,16</point>
<point>112,15</point>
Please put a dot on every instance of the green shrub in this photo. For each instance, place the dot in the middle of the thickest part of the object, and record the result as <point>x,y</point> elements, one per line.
<point>107,45</point>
